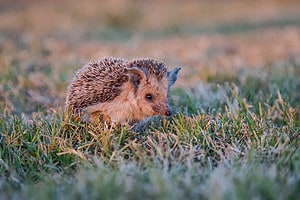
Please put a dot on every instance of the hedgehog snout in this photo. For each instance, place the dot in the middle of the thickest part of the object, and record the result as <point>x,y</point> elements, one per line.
<point>163,110</point>
<point>168,112</point>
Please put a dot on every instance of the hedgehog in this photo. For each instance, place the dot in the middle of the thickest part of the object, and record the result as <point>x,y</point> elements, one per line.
<point>115,90</point>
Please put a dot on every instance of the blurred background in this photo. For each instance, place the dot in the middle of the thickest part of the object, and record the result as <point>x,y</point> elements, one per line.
<point>42,43</point>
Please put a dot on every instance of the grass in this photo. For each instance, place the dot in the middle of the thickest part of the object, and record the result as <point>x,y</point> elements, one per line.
<point>236,148</point>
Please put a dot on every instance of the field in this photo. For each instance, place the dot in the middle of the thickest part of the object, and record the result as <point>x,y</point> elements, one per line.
<point>235,131</point>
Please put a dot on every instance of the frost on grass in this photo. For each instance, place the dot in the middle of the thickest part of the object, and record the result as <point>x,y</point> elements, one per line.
<point>206,97</point>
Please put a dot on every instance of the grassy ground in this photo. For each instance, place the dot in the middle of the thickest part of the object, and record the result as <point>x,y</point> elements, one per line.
<point>235,134</point>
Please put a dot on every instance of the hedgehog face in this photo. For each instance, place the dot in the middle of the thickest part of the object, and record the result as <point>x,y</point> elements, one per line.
<point>152,94</point>
<point>152,97</point>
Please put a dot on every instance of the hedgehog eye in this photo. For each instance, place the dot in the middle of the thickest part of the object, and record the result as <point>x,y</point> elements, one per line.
<point>149,97</point>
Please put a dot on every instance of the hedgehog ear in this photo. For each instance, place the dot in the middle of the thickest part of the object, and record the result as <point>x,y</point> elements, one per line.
<point>172,75</point>
<point>136,75</point>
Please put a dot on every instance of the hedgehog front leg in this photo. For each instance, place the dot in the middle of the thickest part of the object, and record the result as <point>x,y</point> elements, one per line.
<point>141,125</point>
<point>99,117</point>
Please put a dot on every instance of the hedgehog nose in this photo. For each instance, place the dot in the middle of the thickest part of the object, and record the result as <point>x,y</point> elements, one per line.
<point>168,113</point>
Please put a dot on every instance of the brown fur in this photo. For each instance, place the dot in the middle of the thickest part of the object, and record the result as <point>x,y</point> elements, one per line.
<point>115,90</point>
